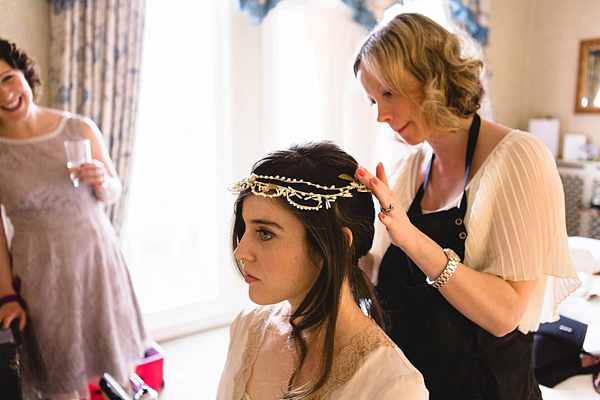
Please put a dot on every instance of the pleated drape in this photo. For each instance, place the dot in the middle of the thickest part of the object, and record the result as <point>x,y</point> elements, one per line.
<point>95,58</point>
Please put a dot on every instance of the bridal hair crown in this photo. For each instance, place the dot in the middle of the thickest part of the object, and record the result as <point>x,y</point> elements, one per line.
<point>276,186</point>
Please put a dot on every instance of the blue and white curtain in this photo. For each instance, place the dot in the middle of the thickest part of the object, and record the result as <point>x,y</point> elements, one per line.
<point>474,17</point>
<point>95,57</point>
<point>366,12</point>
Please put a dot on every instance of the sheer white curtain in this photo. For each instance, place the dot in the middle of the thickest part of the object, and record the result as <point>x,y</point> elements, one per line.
<point>176,233</point>
<point>309,89</point>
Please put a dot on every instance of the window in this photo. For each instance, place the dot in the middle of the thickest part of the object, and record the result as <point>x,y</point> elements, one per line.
<point>309,88</point>
<point>175,235</point>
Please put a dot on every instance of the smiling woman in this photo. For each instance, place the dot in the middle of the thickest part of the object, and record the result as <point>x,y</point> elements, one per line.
<point>64,260</point>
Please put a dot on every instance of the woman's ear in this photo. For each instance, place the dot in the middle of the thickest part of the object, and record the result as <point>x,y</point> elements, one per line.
<point>348,234</point>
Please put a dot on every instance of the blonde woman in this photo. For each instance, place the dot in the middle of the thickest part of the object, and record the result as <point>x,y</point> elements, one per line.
<point>476,253</point>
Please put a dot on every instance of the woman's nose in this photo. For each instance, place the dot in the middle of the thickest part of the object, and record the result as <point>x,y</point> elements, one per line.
<point>383,114</point>
<point>242,251</point>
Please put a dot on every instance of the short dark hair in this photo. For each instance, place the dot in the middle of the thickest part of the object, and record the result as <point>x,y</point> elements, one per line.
<point>19,59</point>
<point>322,163</point>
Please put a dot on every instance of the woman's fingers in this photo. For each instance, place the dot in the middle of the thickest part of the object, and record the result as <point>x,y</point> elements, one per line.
<point>378,186</point>
<point>391,214</point>
<point>93,172</point>
<point>380,173</point>
<point>11,312</point>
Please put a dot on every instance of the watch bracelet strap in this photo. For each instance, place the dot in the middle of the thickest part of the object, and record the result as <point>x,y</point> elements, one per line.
<point>451,266</point>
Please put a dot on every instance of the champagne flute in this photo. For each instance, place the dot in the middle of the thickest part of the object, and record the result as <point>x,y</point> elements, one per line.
<point>78,152</point>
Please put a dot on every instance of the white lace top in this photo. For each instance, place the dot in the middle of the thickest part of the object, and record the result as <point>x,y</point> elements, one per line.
<point>371,367</point>
<point>515,221</point>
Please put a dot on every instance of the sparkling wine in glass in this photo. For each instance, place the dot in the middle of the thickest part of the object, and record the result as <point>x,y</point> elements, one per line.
<point>78,152</point>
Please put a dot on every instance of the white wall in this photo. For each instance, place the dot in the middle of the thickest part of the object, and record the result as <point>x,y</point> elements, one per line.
<point>507,45</point>
<point>534,49</point>
<point>27,23</point>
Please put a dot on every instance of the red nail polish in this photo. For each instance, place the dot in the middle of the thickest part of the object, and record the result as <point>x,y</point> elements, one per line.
<point>374,181</point>
<point>360,172</point>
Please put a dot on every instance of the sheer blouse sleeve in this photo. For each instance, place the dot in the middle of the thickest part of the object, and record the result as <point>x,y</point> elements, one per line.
<point>516,224</point>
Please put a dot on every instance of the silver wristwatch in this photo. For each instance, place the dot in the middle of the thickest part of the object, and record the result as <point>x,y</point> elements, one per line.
<point>453,260</point>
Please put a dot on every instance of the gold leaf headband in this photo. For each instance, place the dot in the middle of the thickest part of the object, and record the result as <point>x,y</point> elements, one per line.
<point>269,189</point>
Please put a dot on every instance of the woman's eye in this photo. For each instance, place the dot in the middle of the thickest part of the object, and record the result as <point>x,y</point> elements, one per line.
<point>387,94</point>
<point>7,78</point>
<point>264,234</point>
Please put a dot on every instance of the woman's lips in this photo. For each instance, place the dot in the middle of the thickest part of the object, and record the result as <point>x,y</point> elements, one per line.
<point>13,106</point>
<point>399,131</point>
<point>249,278</point>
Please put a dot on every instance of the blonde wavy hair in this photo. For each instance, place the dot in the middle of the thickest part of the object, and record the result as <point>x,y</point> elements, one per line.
<point>451,80</point>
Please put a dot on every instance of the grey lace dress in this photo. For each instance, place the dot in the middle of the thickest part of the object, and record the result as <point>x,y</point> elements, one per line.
<point>83,316</point>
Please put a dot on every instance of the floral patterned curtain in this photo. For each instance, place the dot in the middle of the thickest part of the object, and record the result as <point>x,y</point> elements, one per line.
<point>95,59</point>
<point>366,12</point>
<point>474,17</point>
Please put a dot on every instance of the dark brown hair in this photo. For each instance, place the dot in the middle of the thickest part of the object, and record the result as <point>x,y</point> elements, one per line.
<point>322,163</point>
<point>18,59</point>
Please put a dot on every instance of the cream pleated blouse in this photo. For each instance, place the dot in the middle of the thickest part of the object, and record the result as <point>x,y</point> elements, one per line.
<point>515,221</point>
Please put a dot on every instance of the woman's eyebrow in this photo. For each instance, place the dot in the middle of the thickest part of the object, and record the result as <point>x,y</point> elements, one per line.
<point>266,222</point>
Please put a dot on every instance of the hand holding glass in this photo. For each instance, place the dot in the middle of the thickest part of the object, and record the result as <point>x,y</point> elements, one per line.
<point>78,152</point>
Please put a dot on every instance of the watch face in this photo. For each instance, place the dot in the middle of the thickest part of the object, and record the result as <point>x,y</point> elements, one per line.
<point>452,255</point>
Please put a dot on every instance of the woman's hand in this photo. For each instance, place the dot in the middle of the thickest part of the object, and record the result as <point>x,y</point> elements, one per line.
<point>94,173</point>
<point>10,311</point>
<point>392,215</point>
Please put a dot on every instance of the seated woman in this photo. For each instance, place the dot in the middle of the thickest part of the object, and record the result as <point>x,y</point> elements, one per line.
<point>301,223</point>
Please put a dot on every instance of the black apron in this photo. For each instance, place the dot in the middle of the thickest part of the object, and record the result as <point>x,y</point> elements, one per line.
<point>458,359</point>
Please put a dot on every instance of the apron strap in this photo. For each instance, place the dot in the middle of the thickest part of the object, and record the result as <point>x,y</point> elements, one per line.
<point>472,142</point>
<point>473,135</point>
